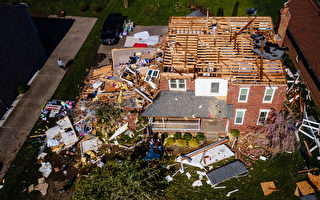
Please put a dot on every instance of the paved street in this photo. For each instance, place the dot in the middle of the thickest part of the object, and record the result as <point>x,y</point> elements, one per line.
<point>22,119</point>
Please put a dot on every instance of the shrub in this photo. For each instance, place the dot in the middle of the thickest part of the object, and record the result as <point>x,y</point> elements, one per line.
<point>201,136</point>
<point>235,132</point>
<point>83,7</point>
<point>194,142</point>
<point>169,142</point>
<point>22,89</point>
<point>96,8</point>
<point>187,136</point>
<point>182,142</point>
<point>164,135</point>
<point>140,118</point>
<point>177,135</point>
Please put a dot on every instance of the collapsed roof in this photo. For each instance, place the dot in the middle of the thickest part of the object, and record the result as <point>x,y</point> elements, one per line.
<point>220,47</point>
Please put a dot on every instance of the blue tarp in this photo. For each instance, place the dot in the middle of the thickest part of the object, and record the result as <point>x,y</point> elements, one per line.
<point>151,155</point>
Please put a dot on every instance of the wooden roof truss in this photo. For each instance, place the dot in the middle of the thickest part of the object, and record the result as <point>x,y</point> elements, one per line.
<point>220,47</point>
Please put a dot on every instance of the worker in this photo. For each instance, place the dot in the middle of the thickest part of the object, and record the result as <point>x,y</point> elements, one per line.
<point>60,63</point>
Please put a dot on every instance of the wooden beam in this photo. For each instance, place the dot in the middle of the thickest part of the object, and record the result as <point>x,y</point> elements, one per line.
<point>307,147</point>
<point>300,103</point>
<point>201,48</point>
<point>261,60</point>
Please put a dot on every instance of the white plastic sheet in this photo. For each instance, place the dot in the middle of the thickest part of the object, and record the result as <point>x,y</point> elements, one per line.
<point>119,131</point>
<point>197,183</point>
<point>45,169</point>
<point>52,142</point>
<point>142,35</point>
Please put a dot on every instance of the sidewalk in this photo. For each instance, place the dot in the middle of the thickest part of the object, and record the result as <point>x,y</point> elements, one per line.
<point>22,119</point>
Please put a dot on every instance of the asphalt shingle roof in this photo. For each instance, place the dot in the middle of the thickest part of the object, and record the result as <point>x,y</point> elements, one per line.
<point>186,104</point>
<point>226,172</point>
<point>21,51</point>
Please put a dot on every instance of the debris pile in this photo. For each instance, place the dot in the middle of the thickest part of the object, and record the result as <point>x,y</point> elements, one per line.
<point>207,155</point>
<point>266,49</point>
<point>61,136</point>
<point>57,109</point>
<point>132,83</point>
<point>278,135</point>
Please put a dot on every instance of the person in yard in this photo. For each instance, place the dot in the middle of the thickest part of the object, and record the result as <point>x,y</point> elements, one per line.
<point>60,63</point>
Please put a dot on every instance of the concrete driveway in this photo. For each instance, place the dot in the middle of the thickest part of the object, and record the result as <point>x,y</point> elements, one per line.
<point>18,125</point>
<point>106,49</point>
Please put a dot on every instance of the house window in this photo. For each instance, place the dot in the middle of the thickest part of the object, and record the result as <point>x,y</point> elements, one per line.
<point>151,75</point>
<point>214,87</point>
<point>239,116</point>
<point>177,84</point>
<point>243,94</point>
<point>268,95</point>
<point>263,116</point>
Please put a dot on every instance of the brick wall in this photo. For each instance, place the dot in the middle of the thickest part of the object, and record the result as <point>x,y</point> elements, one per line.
<point>253,105</point>
<point>283,24</point>
<point>164,84</point>
<point>315,93</point>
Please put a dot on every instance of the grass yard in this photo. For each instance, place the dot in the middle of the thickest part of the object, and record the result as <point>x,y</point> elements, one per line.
<point>24,170</point>
<point>281,169</point>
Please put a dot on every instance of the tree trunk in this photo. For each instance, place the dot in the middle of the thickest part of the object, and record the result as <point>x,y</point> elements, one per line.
<point>125,3</point>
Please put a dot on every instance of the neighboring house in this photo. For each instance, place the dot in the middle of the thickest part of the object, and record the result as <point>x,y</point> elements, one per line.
<point>21,51</point>
<point>299,26</point>
<point>211,81</point>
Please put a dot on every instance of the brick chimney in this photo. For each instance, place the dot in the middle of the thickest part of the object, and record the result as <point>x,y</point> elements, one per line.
<point>283,25</point>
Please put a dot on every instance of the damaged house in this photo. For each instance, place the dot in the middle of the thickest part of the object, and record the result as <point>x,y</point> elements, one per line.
<point>212,80</point>
<point>298,28</point>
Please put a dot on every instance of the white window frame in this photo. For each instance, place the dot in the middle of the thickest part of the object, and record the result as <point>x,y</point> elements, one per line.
<point>263,110</point>
<point>151,75</point>
<point>265,92</point>
<point>177,83</point>
<point>247,95</point>
<point>211,87</point>
<point>236,115</point>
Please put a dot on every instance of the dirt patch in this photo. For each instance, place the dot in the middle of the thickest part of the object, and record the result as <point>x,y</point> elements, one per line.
<point>196,6</point>
<point>58,179</point>
<point>99,58</point>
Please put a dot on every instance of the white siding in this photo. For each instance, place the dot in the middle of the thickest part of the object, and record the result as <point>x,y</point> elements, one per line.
<point>203,87</point>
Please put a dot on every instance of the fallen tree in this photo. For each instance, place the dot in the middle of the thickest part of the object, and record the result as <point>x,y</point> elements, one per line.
<point>276,136</point>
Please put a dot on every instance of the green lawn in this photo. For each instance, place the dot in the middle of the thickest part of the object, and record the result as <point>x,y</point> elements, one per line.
<point>24,170</point>
<point>281,169</point>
